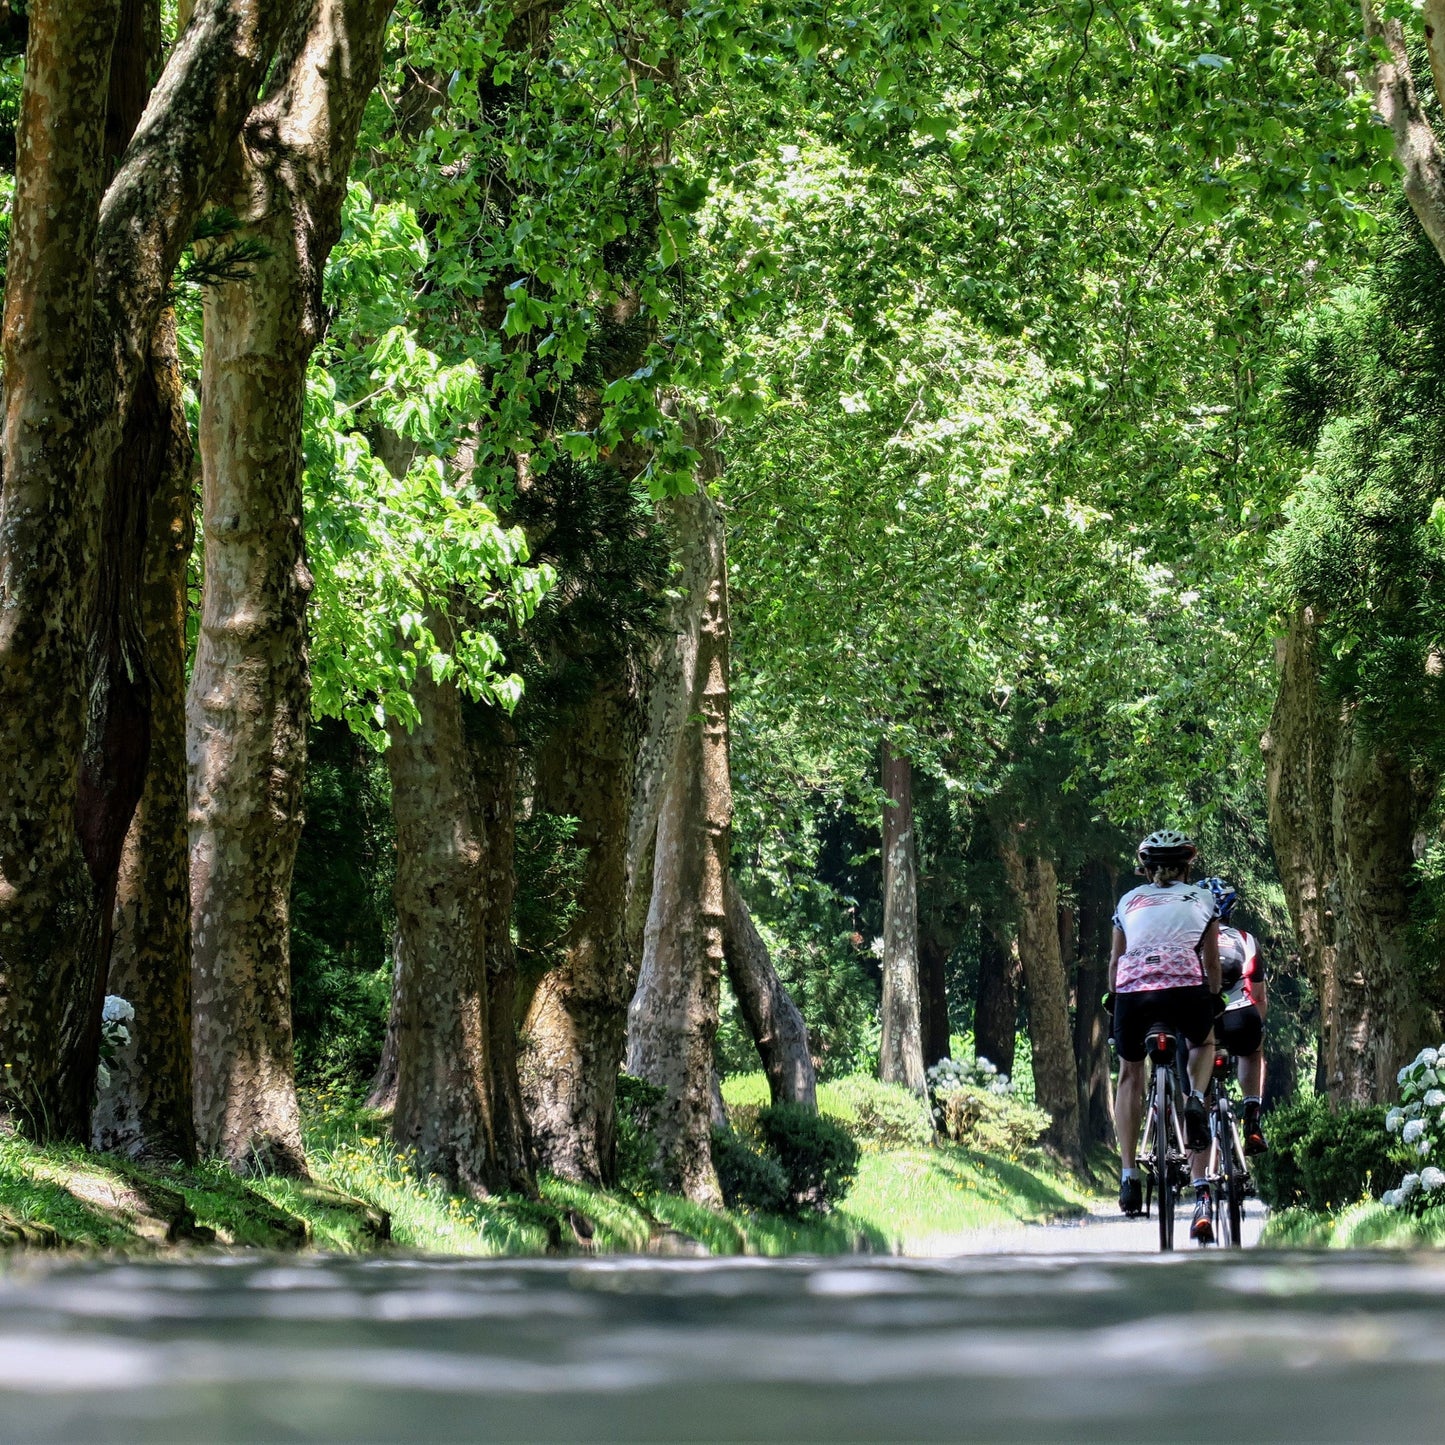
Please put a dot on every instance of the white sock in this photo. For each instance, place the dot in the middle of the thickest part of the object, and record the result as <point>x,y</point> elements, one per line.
<point>1128,1174</point>
<point>1200,1184</point>
<point>1252,1099</point>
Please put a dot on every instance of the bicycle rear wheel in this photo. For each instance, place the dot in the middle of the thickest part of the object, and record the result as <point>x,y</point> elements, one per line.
<point>1163,1157</point>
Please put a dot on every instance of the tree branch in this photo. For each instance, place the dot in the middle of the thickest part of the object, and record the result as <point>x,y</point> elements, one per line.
<point>1416,146</point>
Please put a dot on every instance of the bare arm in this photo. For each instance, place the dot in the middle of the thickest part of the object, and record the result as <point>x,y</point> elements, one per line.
<point>1209,955</point>
<point>1120,943</point>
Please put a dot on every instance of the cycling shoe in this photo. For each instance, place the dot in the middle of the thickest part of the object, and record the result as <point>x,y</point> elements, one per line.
<point>1254,1140</point>
<point>1201,1231</point>
<point>1196,1122</point>
<point>1131,1197</point>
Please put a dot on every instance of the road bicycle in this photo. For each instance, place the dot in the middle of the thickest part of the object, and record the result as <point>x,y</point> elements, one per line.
<point>1162,1156</point>
<point>1228,1171</point>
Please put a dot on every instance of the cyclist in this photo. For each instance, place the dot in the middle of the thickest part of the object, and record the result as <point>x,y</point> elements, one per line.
<point>1240,1028</point>
<point>1164,969</point>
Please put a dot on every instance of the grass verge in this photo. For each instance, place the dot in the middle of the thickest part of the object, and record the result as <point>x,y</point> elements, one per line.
<point>365,1190</point>
<point>1366,1225</point>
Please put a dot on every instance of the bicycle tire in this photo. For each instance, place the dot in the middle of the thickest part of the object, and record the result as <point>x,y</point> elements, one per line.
<point>1233,1186</point>
<point>1163,1162</point>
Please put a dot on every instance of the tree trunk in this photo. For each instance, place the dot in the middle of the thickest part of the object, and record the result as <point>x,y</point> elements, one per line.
<point>773,1020</point>
<point>933,997</point>
<point>494,757</point>
<point>1378,805</point>
<point>443,1082</point>
<point>674,1015</point>
<point>1091,1028</point>
<point>996,1011</point>
<point>900,1059</point>
<point>576,1027</point>
<point>1056,1090</point>
<point>250,686</point>
<point>85,287</point>
<point>148,1107</point>
<point>1299,752</point>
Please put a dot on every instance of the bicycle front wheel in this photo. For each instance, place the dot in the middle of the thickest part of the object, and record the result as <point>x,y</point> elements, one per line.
<point>1233,1181</point>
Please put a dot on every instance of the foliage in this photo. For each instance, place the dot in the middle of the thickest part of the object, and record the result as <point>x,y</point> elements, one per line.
<point>884,1116</point>
<point>975,1105</point>
<point>749,1178</point>
<point>341,911</point>
<point>818,1157</point>
<point>636,1142</point>
<point>1419,1120</point>
<point>1362,388</point>
<point>1322,1159</point>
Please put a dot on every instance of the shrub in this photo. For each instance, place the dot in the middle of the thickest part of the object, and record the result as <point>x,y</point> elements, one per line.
<point>749,1180</point>
<point>886,1116</point>
<point>990,1121</point>
<point>819,1156</point>
<point>1419,1121</point>
<point>977,1106</point>
<point>636,1143</point>
<point>1320,1159</point>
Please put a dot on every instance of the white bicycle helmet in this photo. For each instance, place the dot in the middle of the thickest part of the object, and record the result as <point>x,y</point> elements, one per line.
<point>1167,846</point>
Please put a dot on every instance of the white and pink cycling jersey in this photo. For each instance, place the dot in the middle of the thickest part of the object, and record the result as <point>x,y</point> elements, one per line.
<point>1162,925</point>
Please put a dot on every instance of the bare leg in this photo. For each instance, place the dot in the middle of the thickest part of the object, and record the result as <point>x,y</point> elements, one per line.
<point>1201,1066</point>
<point>1251,1075</point>
<point>1128,1109</point>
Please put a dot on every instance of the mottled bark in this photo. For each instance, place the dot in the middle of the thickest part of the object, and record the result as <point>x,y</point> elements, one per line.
<point>900,1056</point>
<point>1034,885</point>
<point>1378,804</point>
<point>85,287</point>
<point>1299,751</point>
<point>674,1015</point>
<point>996,1010</point>
<point>576,1027</point>
<point>494,758</point>
<point>773,1019</point>
<point>1091,1027</point>
<point>1392,83</point>
<point>148,1108</point>
<point>933,997</point>
<point>250,685</point>
<point>443,1084</point>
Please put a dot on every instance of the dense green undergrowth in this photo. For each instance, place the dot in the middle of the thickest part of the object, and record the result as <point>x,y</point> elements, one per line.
<point>1369,1224</point>
<point>905,1199</point>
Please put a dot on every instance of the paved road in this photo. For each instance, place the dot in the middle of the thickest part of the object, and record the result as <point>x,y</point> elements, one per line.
<point>1108,1347</point>
<point>1102,1231</point>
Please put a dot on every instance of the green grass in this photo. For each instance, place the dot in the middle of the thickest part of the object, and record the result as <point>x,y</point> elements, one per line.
<point>903,1200</point>
<point>916,1199</point>
<point>1366,1225</point>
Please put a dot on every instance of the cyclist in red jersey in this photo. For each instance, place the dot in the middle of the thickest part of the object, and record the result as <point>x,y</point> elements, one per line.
<point>1240,1028</point>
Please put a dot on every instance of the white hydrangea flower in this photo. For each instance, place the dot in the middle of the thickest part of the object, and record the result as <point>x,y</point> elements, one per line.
<point>117,1010</point>
<point>1434,1098</point>
<point>1413,1129</point>
<point>1394,1119</point>
<point>1432,1179</point>
<point>1408,1185</point>
<point>1429,1057</point>
<point>1403,1074</point>
<point>1429,1078</point>
<point>1412,1111</point>
<point>1423,1148</point>
<point>1392,1199</point>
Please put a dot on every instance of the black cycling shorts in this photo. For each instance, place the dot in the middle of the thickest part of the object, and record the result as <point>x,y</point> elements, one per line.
<point>1188,1011</point>
<point>1240,1031</point>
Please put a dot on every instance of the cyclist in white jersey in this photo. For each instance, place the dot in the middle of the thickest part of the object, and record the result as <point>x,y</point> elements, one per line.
<point>1240,1028</point>
<point>1164,969</point>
